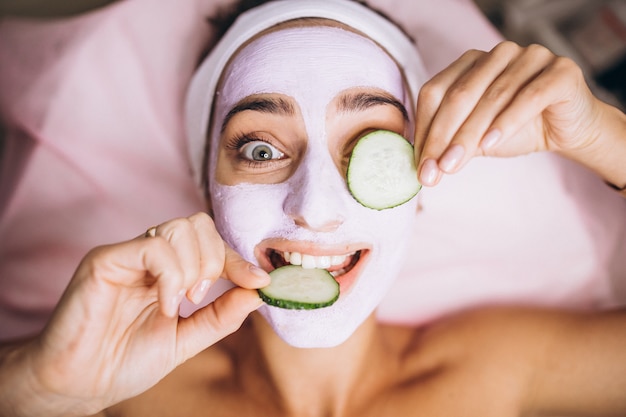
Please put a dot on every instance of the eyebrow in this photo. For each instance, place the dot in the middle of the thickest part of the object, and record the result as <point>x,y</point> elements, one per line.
<point>353,102</point>
<point>272,105</point>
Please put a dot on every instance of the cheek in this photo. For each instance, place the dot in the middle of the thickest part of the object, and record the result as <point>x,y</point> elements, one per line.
<point>387,229</point>
<point>245,214</point>
<point>221,174</point>
<point>390,233</point>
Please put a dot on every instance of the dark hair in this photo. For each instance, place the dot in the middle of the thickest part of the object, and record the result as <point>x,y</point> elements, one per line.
<point>226,16</point>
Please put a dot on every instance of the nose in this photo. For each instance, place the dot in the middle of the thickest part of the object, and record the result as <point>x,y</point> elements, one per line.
<point>316,200</point>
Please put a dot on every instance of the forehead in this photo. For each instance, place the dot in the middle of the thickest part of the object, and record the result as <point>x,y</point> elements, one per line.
<point>311,64</point>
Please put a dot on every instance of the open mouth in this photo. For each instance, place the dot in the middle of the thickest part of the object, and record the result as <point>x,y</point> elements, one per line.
<point>337,265</point>
<point>344,267</point>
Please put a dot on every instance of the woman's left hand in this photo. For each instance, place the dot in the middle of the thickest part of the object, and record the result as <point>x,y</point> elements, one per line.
<point>511,101</point>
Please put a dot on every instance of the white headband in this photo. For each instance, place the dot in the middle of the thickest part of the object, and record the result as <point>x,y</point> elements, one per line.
<point>204,83</point>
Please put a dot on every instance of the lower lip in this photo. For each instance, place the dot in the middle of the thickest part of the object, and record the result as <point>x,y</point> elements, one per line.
<point>347,280</point>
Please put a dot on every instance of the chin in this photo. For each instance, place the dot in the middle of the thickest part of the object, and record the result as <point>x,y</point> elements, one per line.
<point>319,328</point>
<point>306,340</point>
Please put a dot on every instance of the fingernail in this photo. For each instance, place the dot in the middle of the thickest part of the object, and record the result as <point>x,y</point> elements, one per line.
<point>429,172</point>
<point>451,158</point>
<point>490,139</point>
<point>260,303</point>
<point>200,291</point>
<point>259,273</point>
<point>175,303</point>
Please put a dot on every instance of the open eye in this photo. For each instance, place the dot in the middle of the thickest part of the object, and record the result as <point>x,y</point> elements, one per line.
<point>260,151</point>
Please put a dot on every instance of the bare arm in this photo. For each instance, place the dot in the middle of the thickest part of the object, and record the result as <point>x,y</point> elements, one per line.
<point>19,394</point>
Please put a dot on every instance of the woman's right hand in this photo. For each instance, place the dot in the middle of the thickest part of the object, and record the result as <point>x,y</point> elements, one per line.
<point>116,331</point>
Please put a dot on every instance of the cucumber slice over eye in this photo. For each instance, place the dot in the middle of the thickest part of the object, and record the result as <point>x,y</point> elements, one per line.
<point>381,171</point>
<point>296,288</point>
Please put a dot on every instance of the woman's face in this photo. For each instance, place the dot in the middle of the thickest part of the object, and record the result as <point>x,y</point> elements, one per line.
<point>290,108</point>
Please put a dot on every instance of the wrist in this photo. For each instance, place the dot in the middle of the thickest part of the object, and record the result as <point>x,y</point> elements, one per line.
<point>21,393</point>
<point>606,152</point>
<point>17,388</point>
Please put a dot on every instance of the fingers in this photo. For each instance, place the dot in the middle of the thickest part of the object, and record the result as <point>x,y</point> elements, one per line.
<point>198,251</point>
<point>210,260</point>
<point>215,321</point>
<point>458,107</point>
<point>243,273</point>
<point>139,264</point>
<point>434,91</point>
<point>529,64</point>
<point>430,99</point>
<point>181,257</point>
<point>561,82</point>
<point>181,236</point>
<point>524,66</point>
<point>203,257</point>
<point>462,92</point>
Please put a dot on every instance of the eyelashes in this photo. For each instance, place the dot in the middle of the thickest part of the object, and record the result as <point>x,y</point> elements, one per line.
<point>254,150</point>
<point>239,140</point>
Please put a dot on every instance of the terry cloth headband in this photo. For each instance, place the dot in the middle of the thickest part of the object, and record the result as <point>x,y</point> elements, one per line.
<point>204,83</point>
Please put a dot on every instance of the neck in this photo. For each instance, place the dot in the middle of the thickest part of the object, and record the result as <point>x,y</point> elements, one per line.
<point>320,381</point>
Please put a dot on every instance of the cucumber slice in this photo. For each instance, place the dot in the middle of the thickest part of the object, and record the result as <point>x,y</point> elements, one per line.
<point>296,288</point>
<point>381,171</point>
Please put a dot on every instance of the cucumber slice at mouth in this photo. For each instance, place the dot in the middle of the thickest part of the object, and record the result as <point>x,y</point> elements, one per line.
<point>381,171</point>
<point>297,288</point>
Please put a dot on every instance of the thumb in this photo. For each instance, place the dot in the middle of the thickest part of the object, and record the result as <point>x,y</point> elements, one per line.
<point>243,273</point>
<point>217,320</point>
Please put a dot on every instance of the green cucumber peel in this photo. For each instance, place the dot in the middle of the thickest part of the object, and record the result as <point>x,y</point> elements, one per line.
<point>296,288</point>
<point>381,172</point>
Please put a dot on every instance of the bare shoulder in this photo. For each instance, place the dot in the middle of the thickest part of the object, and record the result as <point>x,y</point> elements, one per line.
<point>488,353</point>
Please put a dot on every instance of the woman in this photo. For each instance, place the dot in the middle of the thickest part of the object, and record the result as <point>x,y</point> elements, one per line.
<point>277,148</point>
<point>271,366</point>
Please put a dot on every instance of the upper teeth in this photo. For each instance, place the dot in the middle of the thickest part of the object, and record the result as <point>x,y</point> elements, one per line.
<point>310,261</point>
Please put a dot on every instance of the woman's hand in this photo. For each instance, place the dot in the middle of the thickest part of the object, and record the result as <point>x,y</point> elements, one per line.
<point>512,101</point>
<point>116,331</point>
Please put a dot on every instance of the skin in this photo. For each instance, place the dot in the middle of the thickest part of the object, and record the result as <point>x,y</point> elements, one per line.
<point>283,203</point>
<point>127,296</point>
<point>513,101</point>
<point>524,362</point>
<point>476,364</point>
